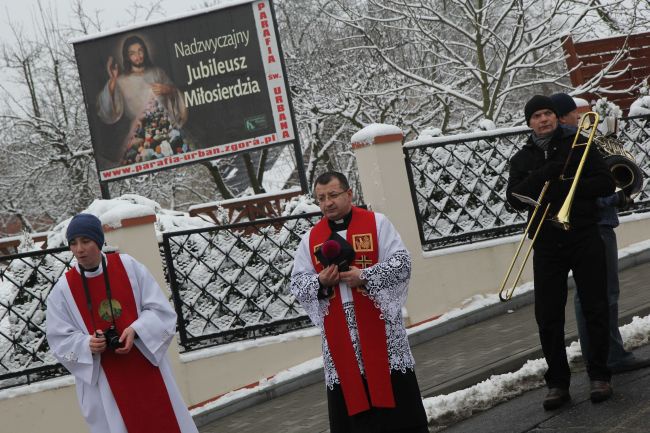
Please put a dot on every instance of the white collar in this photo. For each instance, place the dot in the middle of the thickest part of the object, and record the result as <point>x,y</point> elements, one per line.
<point>94,273</point>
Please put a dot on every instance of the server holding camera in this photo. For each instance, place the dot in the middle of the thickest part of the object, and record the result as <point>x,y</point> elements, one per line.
<point>351,275</point>
<point>109,324</point>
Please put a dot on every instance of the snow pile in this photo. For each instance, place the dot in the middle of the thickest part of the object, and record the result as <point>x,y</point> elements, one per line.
<point>636,333</point>
<point>486,125</point>
<point>446,409</point>
<point>112,212</point>
<point>640,107</point>
<point>430,133</point>
<point>300,204</point>
<point>450,408</point>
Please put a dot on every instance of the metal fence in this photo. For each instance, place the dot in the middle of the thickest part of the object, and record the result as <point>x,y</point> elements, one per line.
<point>25,282</point>
<point>458,183</point>
<point>228,283</point>
<point>231,283</point>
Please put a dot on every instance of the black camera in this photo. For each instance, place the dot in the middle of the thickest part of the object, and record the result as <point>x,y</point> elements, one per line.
<point>112,338</point>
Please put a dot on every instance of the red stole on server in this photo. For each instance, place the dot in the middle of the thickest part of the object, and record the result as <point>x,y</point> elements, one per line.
<point>137,385</point>
<point>362,235</point>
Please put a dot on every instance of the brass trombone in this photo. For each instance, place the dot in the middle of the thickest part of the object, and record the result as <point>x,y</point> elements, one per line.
<point>562,218</point>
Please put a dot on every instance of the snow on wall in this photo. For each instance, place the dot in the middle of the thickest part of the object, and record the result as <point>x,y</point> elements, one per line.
<point>368,134</point>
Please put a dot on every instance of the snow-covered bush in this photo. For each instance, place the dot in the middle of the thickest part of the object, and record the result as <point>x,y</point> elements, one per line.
<point>608,112</point>
<point>607,108</point>
<point>640,107</point>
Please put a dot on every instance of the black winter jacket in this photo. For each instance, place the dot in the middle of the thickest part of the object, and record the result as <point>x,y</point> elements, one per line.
<point>526,178</point>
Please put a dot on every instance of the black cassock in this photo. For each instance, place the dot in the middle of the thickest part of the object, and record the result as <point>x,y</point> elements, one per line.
<point>407,417</point>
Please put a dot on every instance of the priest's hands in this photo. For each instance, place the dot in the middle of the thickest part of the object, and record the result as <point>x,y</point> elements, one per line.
<point>127,337</point>
<point>97,342</point>
<point>352,277</point>
<point>329,276</point>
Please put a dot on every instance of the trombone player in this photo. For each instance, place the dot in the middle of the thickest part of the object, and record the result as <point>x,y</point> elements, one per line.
<point>549,156</point>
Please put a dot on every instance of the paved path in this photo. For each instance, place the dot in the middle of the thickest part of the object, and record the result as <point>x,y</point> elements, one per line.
<point>628,411</point>
<point>462,358</point>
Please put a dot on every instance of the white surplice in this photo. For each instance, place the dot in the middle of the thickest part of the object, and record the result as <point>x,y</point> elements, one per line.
<point>387,286</point>
<point>69,342</point>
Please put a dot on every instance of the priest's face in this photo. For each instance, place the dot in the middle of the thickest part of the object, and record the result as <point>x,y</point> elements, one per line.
<point>334,200</point>
<point>86,252</point>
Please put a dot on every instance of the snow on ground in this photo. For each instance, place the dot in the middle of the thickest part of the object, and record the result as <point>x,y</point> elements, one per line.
<point>449,408</point>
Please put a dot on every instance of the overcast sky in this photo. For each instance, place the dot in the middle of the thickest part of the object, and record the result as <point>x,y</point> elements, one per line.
<point>22,12</point>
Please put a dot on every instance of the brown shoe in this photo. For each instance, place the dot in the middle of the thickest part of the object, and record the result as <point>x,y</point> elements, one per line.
<point>555,398</point>
<point>601,390</point>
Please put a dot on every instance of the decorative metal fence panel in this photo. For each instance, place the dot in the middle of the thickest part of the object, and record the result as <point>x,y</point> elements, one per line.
<point>458,183</point>
<point>25,282</point>
<point>231,283</point>
<point>635,136</point>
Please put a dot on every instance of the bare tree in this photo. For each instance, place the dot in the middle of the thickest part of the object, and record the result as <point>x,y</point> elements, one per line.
<point>475,56</point>
<point>46,155</point>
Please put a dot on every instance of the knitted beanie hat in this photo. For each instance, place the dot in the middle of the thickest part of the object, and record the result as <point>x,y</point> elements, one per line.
<point>86,225</point>
<point>564,103</point>
<point>536,103</point>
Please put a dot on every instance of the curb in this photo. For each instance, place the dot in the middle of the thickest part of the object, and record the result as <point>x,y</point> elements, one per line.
<point>508,364</point>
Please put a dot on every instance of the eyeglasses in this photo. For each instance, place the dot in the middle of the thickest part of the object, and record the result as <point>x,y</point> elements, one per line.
<point>330,196</point>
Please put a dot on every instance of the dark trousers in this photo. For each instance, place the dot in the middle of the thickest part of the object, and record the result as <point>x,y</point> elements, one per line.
<point>617,353</point>
<point>408,416</point>
<point>583,252</point>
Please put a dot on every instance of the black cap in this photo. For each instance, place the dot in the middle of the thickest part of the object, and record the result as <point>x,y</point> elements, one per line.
<point>536,103</point>
<point>563,103</point>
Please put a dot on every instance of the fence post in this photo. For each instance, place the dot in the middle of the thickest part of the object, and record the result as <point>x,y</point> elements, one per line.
<point>385,185</point>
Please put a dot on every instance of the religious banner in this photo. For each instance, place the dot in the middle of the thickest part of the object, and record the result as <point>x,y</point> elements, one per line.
<point>179,91</point>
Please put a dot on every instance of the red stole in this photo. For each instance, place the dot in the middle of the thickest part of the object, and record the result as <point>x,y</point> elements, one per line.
<point>136,384</point>
<point>362,235</point>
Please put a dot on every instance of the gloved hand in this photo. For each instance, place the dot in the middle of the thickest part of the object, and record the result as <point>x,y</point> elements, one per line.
<point>551,170</point>
<point>624,201</point>
<point>557,191</point>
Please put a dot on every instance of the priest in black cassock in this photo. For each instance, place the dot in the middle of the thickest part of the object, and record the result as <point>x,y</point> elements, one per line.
<point>351,275</point>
